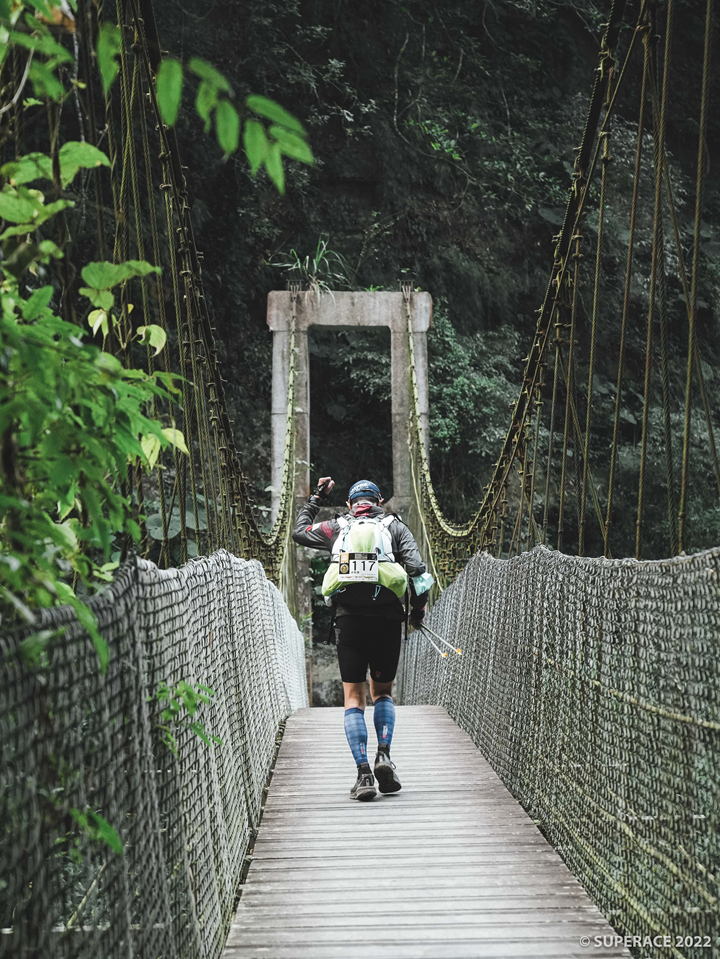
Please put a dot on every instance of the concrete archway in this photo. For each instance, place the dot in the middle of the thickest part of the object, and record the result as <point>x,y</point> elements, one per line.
<point>343,310</point>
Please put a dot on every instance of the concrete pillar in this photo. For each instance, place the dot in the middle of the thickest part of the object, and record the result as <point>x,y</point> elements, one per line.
<point>280,381</point>
<point>302,416</point>
<point>339,311</point>
<point>421,372</point>
<point>400,401</point>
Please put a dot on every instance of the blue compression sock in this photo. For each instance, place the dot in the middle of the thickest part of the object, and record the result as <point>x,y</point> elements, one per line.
<point>384,716</point>
<point>356,732</point>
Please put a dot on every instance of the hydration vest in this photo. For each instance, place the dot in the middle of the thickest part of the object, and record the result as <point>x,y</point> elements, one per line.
<point>368,537</point>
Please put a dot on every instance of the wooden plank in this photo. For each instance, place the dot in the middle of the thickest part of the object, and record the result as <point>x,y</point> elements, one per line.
<point>530,932</point>
<point>451,867</point>
<point>369,948</point>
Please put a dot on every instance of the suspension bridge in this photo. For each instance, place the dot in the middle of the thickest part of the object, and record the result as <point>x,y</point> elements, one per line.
<point>560,774</point>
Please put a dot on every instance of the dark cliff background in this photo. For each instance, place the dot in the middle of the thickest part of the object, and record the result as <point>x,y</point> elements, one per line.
<point>444,137</point>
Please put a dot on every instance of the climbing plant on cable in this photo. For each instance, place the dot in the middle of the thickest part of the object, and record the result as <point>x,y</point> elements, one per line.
<point>75,415</point>
<point>71,416</point>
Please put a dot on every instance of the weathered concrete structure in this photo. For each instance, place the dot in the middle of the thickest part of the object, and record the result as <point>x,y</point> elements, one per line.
<point>341,310</point>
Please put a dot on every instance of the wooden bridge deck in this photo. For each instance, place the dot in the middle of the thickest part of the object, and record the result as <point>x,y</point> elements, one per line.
<point>451,866</point>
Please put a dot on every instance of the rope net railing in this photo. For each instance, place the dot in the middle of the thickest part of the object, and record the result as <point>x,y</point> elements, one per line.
<point>592,687</point>
<point>592,463</point>
<point>76,744</point>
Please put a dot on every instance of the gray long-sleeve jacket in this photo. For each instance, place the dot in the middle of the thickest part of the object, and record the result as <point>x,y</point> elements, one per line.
<point>307,532</point>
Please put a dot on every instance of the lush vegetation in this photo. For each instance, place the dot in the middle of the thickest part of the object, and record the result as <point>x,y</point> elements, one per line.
<point>444,141</point>
<point>77,422</point>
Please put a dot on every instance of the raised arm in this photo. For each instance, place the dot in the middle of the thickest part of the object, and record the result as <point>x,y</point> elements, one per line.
<point>306,531</point>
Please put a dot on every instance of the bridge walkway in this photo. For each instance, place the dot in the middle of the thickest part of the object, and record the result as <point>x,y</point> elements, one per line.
<point>451,866</point>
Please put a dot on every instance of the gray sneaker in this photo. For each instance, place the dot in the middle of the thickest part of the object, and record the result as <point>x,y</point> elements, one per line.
<point>385,774</point>
<point>364,789</point>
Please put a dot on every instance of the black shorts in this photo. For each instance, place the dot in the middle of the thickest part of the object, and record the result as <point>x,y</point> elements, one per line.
<point>364,641</point>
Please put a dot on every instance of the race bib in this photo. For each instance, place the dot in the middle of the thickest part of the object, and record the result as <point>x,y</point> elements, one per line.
<point>358,568</point>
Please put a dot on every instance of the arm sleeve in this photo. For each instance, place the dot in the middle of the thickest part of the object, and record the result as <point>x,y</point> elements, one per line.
<point>307,532</point>
<point>406,550</point>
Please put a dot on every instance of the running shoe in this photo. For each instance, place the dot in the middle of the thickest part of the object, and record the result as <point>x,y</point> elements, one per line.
<point>385,774</point>
<point>364,788</point>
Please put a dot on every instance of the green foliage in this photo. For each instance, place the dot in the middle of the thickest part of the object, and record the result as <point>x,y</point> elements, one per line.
<point>98,829</point>
<point>286,136</point>
<point>319,272</point>
<point>101,278</point>
<point>228,127</point>
<point>73,157</point>
<point>180,704</point>
<point>441,139</point>
<point>71,420</point>
<point>154,336</point>
<point>108,51</point>
<point>168,86</point>
<point>472,380</point>
<point>273,111</point>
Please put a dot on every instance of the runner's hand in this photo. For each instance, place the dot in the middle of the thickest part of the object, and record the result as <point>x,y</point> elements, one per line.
<point>323,489</point>
<point>417,616</point>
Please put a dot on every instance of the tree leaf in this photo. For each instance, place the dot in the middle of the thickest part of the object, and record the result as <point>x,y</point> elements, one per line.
<point>42,8</point>
<point>274,167</point>
<point>199,730</point>
<point>205,101</point>
<point>273,111</point>
<point>104,275</point>
<point>22,205</point>
<point>98,828</point>
<point>292,145</point>
<point>106,832</point>
<point>192,521</point>
<point>42,43</point>
<point>176,439</point>
<point>255,143</point>
<point>108,48</point>
<point>77,155</point>
<point>102,299</point>
<point>32,166</point>
<point>151,448</point>
<point>86,618</point>
<point>65,536</point>
<point>33,307</point>
<point>153,524</point>
<point>33,646</point>
<point>17,208</point>
<point>154,336</point>
<point>44,81</point>
<point>99,318</point>
<point>206,71</point>
<point>49,248</point>
<point>227,124</point>
<point>168,86</point>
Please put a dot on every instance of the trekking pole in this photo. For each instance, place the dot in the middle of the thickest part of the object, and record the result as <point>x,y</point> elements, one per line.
<point>444,655</point>
<point>444,641</point>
